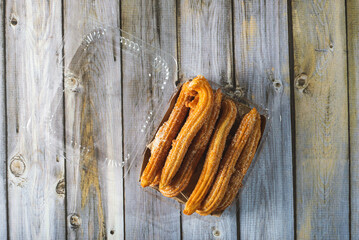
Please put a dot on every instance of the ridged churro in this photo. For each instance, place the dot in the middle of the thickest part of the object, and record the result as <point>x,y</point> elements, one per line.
<point>195,152</point>
<point>201,111</point>
<point>226,168</point>
<point>164,137</point>
<point>241,167</point>
<point>213,157</point>
<point>157,179</point>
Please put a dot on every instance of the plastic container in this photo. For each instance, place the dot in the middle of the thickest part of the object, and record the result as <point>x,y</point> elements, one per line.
<point>243,107</point>
<point>89,101</point>
<point>87,89</point>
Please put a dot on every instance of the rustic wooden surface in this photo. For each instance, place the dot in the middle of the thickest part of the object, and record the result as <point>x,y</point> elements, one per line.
<point>298,58</point>
<point>262,74</point>
<point>94,197</point>
<point>353,85</point>
<point>321,119</point>
<point>35,200</point>
<point>3,183</point>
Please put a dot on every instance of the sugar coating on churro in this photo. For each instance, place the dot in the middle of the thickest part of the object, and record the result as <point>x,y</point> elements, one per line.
<point>164,137</point>
<point>200,87</point>
<point>241,167</point>
<point>213,157</point>
<point>195,152</point>
<point>218,190</point>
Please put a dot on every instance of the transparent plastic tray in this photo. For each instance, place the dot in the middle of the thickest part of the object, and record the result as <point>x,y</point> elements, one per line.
<point>93,103</point>
<point>243,105</point>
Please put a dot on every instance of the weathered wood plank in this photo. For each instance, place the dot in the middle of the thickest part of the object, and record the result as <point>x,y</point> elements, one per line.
<point>353,76</point>
<point>3,139</point>
<point>321,118</point>
<point>93,126</point>
<point>262,74</point>
<point>147,216</point>
<point>205,47</point>
<point>36,199</point>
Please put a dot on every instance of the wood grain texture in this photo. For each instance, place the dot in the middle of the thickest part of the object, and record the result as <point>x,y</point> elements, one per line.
<point>93,124</point>
<point>147,214</point>
<point>262,75</point>
<point>33,34</point>
<point>3,139</point>
<point>321,117</point>
<point>353,77</point>
<point>205,47</point>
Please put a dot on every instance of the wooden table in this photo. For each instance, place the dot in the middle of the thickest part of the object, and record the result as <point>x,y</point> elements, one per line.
<point>300,58</point>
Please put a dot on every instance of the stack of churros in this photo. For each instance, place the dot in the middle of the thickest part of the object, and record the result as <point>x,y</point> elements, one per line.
<point>198,129</point>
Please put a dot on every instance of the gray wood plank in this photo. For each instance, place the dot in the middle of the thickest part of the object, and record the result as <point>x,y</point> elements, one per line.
<point>262,75</point>
<point>93,126</point>
<point>353,77</point>
<point>205,47</point>
<point>148,215</point>
<point>321,119</point>
<point>36,201</point>
<point>3,139</point>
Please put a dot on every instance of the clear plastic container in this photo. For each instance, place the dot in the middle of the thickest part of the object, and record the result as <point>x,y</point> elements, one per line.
<point>243,107</point>
<point>87,89</point>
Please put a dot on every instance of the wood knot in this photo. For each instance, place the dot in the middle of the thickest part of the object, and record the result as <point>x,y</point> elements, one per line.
<point>72,83</point>
<point>13,20</point>
<point>216,233</point>
<point>277,85</point>
<point>60,187</point>
<point>301,81</point>
<point>75,220</point>
<point>17,165</point>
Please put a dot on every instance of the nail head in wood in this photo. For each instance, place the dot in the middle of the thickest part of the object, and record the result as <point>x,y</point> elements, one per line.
<point>17,166</point>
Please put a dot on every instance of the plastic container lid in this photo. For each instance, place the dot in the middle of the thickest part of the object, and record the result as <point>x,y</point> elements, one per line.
<point>89,80</point>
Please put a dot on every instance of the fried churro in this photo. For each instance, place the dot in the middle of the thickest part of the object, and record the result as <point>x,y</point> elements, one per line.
<point>195,152</point>
<point>226,168</point>
<point>241,167</point>
<point>164,137</point>
<point>213,157</point>
<point>201,111</point>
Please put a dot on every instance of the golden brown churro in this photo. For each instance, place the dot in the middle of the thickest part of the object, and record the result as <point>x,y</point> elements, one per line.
<point>213,157</point>
<point>241,167</point>
<point>193,124</point>
<point>195,152</point>
<point>228,162</point>
<point>164,137</point>
<point>157,179</point>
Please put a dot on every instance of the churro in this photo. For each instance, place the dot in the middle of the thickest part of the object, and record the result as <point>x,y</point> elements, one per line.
<point>195,152</point>
<point>213,157</point>
<point>228,162</point>
<point>164,137</point>
<point>201,111</point>
<point>241,167</point>
<point>157,179</point>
